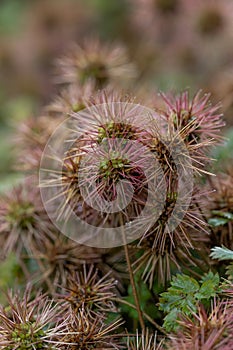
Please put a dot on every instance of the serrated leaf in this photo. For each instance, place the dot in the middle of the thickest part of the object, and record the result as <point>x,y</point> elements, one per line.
<point>184,295</point>
<point>210,276</point>
<point>181,295</point>
<point>221,253</point>
<point>170,321</point>
<point>184,282</point>
<point>209,287</point>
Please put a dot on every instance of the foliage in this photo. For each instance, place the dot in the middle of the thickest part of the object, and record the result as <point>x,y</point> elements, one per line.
<point>221,253</point>
<point>220,218</point>
<point>184,296</point>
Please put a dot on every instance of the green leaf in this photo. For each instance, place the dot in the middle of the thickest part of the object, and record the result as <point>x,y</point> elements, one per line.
<point>221,253</point>
<point>181,295</point>
<point>184,295</point>
<point>210,276</point>
<point>185,282</point>
<point>144,297</point>
<point>223,214</point>
<point>215,222</point>
<point>209,287</point>
<point>170,321</point>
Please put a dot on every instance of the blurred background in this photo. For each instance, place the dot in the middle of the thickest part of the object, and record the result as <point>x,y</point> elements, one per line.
<point>175,44</point>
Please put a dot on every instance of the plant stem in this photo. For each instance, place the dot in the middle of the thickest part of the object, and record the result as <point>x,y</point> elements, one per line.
<point>131,276</point>
<point>155,324</point>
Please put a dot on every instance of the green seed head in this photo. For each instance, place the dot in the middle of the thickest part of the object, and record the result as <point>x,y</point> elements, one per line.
<point>25,336</point>
<point>21,214</point>
<point>113,167</point>
<point>97,71</point>
<point>115,130</point>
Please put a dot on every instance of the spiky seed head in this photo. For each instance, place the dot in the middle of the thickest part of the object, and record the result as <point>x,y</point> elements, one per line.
<point>23,219</point>
<point>31,139</point>
<point>87,290</point>
<point>74,98</point>
<point>208,330</point>
<point>220,209</point>
<point>197,122</point>
<point>163,251</point>
<point>85,333</point>
<point>144,341</point>
<point>28,323</point>
<point>95,62</point>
